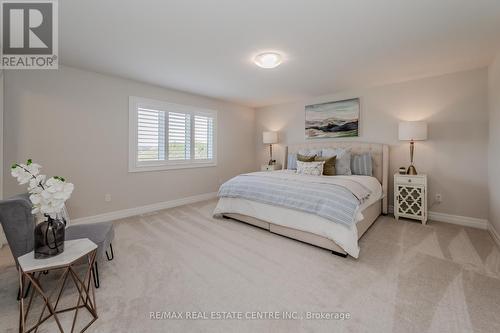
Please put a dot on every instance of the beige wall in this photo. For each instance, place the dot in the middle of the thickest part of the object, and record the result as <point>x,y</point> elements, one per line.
<point>2,235</point>
<point>454,157</point>
<point>494,142</point>
<point>75,123</point>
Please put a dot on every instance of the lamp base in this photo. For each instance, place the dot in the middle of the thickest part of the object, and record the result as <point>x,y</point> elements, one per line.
<point>411,170</point>
<point>271,155</point>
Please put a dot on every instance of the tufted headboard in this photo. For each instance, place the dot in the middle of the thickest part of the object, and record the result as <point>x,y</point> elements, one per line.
<point>379,152</point>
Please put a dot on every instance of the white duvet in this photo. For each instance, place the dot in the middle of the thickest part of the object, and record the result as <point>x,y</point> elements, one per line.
<point>344,236</point>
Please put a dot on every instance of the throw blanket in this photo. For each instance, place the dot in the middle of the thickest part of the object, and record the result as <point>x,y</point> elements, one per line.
<point>334,198</point>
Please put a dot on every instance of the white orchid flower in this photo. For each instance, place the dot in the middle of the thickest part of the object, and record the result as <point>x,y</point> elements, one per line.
<point>35,182</point>
<point>33,168</point>
<point>35,199</point>
<point>20,173</point>
<point>47,195</point>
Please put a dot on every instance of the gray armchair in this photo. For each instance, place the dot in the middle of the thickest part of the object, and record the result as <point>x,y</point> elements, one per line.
<point>18,224</point>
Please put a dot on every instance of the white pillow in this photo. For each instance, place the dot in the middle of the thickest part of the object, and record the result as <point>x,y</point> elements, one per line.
<point>343,161</point>
<point>310,168</point>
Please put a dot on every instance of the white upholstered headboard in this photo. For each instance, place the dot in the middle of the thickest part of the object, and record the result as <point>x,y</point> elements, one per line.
<point>379,152</point>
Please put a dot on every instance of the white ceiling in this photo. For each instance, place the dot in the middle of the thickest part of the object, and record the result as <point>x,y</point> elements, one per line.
<point>205,47</point>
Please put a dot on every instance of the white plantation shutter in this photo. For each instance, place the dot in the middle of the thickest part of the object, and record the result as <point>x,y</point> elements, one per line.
<point>179,136</point>
<point>150,135</point>
<point>170,136</point>
<point>203,137</point>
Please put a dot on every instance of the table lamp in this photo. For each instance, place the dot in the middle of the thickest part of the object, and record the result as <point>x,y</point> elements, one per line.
<point>270,138</point>
<point>412,131</point>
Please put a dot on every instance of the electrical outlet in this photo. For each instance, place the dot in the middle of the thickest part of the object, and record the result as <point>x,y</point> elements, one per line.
<point>439,198</point>
<point>107,197</point>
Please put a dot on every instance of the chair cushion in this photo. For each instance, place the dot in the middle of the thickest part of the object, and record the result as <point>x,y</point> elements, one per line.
<point>102,234</point>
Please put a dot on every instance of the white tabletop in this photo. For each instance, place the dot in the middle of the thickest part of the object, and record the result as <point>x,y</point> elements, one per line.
<point>73,250</point>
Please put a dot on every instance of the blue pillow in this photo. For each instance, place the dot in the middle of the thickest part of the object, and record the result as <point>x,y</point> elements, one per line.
<point>362,164</point>
<point>292,162</point>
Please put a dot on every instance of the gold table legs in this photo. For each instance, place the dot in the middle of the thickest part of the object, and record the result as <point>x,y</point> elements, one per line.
<point>86,296</point>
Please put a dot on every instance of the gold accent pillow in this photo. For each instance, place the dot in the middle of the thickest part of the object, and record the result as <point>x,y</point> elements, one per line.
<point>304,158</point>
<point>329,167</point>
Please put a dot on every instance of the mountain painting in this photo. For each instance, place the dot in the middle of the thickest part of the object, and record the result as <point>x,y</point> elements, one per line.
<point>333,119</point>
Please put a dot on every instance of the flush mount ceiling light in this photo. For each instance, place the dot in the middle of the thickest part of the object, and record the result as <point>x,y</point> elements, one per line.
<point>268,59</point>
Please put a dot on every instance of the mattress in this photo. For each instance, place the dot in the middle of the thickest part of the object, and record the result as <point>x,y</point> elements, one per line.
<point>343,235</point>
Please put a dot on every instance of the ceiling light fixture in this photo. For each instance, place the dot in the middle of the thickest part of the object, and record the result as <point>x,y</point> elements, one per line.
<point>268,59</point>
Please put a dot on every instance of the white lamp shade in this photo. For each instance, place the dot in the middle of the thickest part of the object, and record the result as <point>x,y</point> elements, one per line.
<point>270,137</point>
<point>412,130</point>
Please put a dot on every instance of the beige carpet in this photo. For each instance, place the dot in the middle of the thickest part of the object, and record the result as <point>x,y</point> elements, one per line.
<point>409,278</point>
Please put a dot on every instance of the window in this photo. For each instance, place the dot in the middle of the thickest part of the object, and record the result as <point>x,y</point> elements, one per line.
<point>170,136</point>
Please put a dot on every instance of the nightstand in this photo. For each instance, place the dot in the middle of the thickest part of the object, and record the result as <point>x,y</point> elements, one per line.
<point>267,167</point>
<point>410,197</point>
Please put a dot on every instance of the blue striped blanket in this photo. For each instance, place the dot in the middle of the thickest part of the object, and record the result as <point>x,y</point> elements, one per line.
<point>334,198</point>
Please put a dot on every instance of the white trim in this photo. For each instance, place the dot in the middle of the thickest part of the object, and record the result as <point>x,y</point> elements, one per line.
<point>124,213</point>
<point>494,233</point>
<point>173,166</point>
<point>136,166</point>
<point>465,221</point>
<point>460,220</point>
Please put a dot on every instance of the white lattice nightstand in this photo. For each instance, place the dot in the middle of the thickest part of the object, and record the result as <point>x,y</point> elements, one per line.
<point>272,167</point>
<point>410,197</point>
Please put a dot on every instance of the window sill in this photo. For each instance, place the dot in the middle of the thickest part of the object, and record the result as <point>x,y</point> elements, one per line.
<point>162,167</point>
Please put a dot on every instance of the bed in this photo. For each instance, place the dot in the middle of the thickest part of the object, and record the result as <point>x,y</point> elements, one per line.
<point>315,227</point>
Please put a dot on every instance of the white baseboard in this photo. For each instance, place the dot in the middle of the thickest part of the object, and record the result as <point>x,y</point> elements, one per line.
<point>465,221</point>
<point>494,233</point>
<point>120,214</point>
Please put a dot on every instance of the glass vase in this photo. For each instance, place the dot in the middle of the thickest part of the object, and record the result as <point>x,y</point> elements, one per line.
<point>49,238</point>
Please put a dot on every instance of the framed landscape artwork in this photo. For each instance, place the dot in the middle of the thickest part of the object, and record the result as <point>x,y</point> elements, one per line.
<point>333,119</point>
